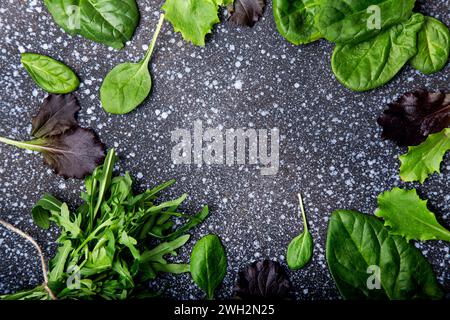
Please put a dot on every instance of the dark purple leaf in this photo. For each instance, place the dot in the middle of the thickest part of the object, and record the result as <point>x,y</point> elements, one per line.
<point>74,154</point>
<point>263,279</point>
<point>56,115</point>
<point>247,12</point>
<point>415,115</point>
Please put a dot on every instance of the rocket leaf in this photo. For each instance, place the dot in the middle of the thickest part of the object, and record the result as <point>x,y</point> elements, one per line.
<point>408,216</point>
<point>247,12</point>
<point>193,18</point>
<point>409,120</point>
<point>425,159</point>
<point>71,151</point>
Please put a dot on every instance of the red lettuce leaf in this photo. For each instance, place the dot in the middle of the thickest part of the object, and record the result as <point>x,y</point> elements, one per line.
<point>414,116</point>
<point>247,12</point>
<point>56,115</point>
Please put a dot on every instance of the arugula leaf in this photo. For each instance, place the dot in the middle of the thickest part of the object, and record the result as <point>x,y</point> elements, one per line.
<point>409,120</point>
<point>49,74</point>
<point>111,22</point>
<point>357,244</point>
<point>247,12</point>
<point>372,63</point>
<point>127,85</point>
<point>345,22</point>
<point>193,18</point>
<point>434,47</point>
<point>295,20</point>
<point>208,264</point>
<point>64,220</point>
<point>408,216</point>
<point>425,159</point>
<point>71,151</point>
<point>300,249</point>
<point>58,263</point>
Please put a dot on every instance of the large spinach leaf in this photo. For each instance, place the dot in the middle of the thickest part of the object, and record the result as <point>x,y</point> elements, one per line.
<point>344,21</point>
<point>371,64</point>
<point>357,244</point>
<point>433,45</point>
<point>295,20</point>
<point>111,22</point>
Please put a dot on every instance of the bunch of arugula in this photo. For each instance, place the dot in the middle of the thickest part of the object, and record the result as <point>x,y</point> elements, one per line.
<point>114,243</point>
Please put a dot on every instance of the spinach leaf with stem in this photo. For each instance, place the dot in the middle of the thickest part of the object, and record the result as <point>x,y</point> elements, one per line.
<point>128,84</point>
<point>300,249</point>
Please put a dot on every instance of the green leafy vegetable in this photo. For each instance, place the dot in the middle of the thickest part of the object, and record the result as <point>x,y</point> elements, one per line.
<point>128,84</point>
<point>105,253</point>
<point>193,18</point>
<point>247,12</point>
<point>358,245</point>
<point>343,21</point>
<point>415,115</point>
<point>408,216</point>
<point>433,45</point>
<point>111,22</point>
<point>295,20</point>
<point>71,151</point>
<point>425,159</point>
<point>49,74</point>
<point>300,249</point>
<point>208,264</point>
<point>373,63</point>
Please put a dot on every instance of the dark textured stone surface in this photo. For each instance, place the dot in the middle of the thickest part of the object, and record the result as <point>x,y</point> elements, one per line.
<point>330,143</point>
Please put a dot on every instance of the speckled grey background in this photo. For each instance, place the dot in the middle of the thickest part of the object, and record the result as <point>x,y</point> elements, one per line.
<point>330,143</point>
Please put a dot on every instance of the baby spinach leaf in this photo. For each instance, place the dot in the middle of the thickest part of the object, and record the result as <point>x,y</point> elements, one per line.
<point>208,264</point>
<point>300,249</point>
<point>247,12</point>
<point>56,115</point>
<point>433,45</point>
<point>343,21</point>
<point>295,20</point>
<point>49,74</point>
<point>409,120</point>
<point>111,22</point>
<point>358,245</point>
<point>193,18</point>
<point>407,215</point>
<point>373,63</point>
<point>128,84</point>
<point>425,159</point>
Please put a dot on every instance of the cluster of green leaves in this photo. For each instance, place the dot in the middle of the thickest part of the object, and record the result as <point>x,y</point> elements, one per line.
<point>374,38</point>
<point>115,242</point>
<point>357,242</point>
<point>111,22</point>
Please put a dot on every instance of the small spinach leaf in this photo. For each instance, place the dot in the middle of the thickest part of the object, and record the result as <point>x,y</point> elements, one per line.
<point>300,249</point>
<point>208,264</point>
<point>358,245</point>
<point>128,84</point>
<point>49,74</point>
<point>433,45</point>
<point>373,63</point>
<point>295,20</point>
<point>343,21</point>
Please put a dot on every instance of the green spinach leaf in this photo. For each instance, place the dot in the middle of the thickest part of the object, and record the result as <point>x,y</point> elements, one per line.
<point>295,20</point>
<point>49,74</point>
<point>208,264</point>
<point>128,84</point>
<point>111,22</point>
<point>433,45</point>
<point>343,21</point>
<point>373,63</point>
<point>300,249</point>
<point>408,216</point>
<point>366,262</point>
